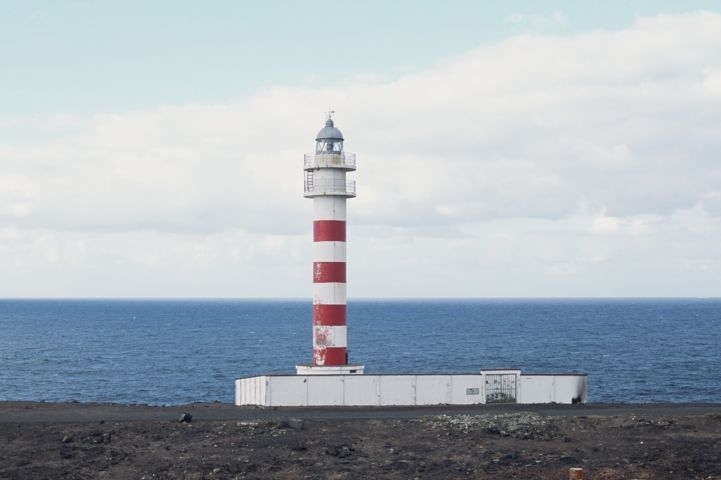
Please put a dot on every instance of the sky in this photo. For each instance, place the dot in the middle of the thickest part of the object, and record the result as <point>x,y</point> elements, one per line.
<point>504,149</point>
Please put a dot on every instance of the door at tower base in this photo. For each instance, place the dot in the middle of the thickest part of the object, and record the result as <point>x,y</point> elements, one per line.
<point>405,390</point>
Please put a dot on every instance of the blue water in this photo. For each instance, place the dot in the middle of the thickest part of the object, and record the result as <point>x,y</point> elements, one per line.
<point>173,352</point>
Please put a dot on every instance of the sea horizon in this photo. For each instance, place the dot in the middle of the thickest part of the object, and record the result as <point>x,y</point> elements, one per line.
<point>171,298</point>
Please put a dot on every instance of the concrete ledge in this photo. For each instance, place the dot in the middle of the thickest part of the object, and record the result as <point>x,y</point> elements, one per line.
<point>335,370</point>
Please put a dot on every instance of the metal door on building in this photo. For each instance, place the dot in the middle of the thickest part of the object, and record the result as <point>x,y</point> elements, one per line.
<point>501,388</point>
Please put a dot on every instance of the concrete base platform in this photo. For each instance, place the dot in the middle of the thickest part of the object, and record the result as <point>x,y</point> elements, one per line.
<point>346,389</point>
<point>334,370</point>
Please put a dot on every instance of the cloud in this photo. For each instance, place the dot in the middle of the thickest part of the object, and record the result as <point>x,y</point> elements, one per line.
<point>536,21</point>
<point>605,225</point>
<point>590,134</point>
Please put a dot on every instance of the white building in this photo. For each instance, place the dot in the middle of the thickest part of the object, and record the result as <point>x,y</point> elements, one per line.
<point>487,386</point>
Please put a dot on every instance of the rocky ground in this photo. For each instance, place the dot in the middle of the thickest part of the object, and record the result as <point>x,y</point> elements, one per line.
<point>518,444</point>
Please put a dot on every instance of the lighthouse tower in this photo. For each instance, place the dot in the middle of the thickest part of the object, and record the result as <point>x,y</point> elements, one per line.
<point>325,182</point>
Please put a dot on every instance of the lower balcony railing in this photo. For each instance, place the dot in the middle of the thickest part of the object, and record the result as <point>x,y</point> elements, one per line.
<point>346,189</point>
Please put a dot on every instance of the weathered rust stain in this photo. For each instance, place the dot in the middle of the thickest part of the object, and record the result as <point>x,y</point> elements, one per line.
<point>319,356</point>
<point>323,337</point>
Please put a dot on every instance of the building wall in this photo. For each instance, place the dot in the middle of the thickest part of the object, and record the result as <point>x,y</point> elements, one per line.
<point>251,391</point>
<point>387,390</point>
<point>553,389</point>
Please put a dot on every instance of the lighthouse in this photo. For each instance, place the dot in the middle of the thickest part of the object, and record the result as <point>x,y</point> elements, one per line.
<point>329,378</point>
<point>325,182</point>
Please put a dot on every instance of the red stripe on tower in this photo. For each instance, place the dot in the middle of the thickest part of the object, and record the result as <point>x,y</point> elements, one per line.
<point>331,356</point>
<point>329,231</point>
<point>329,272</point>
<point>330,315</point>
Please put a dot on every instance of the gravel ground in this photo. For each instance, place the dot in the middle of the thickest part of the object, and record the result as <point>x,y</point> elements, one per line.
<point>219,441</point>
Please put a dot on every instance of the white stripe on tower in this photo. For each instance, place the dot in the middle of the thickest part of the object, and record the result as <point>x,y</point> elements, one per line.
<point>329,251</point>
<point>329,293</point>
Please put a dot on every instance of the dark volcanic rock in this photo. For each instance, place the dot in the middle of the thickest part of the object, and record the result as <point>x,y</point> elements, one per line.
<point>294,423</point>
<point>340,451</point>
<point>673,447</point>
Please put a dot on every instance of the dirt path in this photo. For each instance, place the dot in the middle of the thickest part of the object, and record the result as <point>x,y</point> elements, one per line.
<point>24,412</point>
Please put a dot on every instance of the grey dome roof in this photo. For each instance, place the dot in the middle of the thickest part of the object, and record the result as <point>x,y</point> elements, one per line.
<point>329,132</point>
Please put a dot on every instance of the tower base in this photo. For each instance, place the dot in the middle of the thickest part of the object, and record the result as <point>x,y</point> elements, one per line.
<point>330,370</point>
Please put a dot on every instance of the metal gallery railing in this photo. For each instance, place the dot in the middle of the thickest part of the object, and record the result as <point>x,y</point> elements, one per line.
<point>329,160</point>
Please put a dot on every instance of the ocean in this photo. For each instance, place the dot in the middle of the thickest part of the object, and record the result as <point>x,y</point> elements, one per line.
<point>166,352</point>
